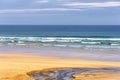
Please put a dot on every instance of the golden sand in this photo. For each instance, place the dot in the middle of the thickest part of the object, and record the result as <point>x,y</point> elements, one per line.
<point>97,76</point>
<point>16,66</point>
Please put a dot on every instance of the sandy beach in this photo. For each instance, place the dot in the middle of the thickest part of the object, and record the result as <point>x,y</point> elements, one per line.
<point>59,39</point>
<point>17,66</point>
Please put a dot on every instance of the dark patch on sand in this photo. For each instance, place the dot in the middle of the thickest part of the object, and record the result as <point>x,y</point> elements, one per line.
<point>66,73</point>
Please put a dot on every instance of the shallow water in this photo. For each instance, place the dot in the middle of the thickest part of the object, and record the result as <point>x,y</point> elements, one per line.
<point>88,54</point>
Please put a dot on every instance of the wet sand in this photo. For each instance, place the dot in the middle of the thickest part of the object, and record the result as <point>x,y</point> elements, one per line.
<point>20,66</point>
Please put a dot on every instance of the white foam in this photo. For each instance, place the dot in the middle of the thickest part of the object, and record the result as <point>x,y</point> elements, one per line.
<point>60,41</point>
<point>90,42</point>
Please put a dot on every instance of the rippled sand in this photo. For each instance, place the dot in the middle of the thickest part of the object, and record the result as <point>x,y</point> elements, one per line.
<point>17,66</point>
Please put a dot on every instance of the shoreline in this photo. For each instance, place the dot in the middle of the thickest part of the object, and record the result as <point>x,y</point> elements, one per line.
<point>17,63</point>
<point>65,53</point>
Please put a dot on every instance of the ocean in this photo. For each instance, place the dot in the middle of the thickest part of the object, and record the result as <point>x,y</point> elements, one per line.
<point>73,36</point>
<point>63,41</point>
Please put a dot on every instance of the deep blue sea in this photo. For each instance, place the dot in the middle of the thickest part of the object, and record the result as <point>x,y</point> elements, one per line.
<point>74,36</point>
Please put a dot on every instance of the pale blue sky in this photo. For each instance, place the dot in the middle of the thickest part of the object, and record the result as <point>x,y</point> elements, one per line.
<point>59,12</point>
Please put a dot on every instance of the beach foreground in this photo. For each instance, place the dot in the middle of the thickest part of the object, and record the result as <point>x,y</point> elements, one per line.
<point>21,66</point>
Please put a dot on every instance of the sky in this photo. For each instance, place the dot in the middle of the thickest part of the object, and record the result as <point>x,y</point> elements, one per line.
<point>59,12</point>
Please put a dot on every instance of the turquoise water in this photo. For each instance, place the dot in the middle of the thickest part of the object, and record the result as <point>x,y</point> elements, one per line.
<point>61,36</point>
<point>62,39</point>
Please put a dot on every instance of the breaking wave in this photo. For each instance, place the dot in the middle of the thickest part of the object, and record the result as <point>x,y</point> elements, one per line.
<point>61,41</point>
